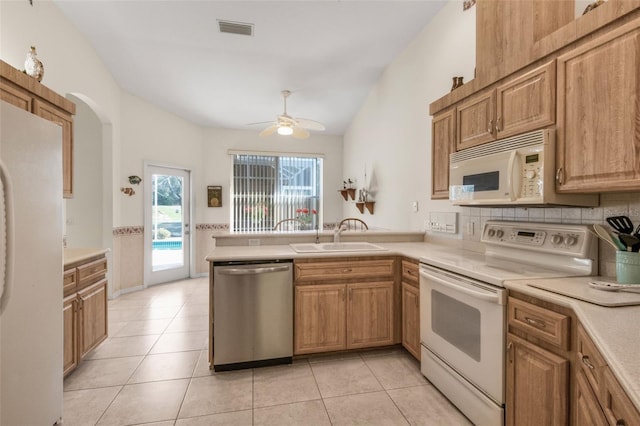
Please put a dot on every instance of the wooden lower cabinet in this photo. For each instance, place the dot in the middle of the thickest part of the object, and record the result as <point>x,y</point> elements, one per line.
<point>93,317</point>
<point>370,314</point>
<point>411,319</point>
<point>333,317</point>
<point>588,411</point>
<point>84,309</point>
<point>537,385</point>
<point>320,318</point>
<point>70,318</point>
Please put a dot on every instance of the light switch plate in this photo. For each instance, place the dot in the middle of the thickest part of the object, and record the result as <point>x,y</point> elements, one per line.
<point>446,222</point>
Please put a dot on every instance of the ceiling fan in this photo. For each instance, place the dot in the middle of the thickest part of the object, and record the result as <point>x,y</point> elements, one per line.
<point>286,125</point>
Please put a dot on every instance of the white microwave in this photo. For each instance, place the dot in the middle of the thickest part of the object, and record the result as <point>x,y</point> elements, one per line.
<point>519,170</point>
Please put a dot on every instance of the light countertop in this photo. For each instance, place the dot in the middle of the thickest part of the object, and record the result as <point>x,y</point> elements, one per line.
<point>614,330</point>
<point>73,255</point>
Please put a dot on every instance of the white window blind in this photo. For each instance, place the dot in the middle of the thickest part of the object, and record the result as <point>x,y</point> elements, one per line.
<point>269,188</point>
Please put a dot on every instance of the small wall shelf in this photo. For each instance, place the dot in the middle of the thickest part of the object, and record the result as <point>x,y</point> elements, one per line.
<point>348,192</point>
<point>368,204</point>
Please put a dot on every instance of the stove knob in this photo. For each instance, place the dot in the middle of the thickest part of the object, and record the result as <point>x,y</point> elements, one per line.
<point>556,239</point>
<point>491,232</point>
<point>570,240</point>
<point>499,233</point>
<point>530,174</point>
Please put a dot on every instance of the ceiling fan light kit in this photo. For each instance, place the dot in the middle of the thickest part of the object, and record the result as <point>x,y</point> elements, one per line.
<point>286,125</point>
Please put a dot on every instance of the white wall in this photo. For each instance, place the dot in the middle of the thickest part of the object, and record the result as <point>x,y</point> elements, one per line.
<point>391,134</point>
<point>84,212</point>
<point>216,167</point>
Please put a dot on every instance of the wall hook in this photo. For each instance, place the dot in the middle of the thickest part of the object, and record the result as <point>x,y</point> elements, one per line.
<point>128,191</point>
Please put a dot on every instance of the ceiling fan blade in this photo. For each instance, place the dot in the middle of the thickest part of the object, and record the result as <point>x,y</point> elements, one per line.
<point>299,133</point>
<point>310,124</point>
<point>262,123</point>
<point>269,131</point>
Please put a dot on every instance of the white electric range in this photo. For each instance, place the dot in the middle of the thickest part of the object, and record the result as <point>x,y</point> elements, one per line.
<point>463,306</point>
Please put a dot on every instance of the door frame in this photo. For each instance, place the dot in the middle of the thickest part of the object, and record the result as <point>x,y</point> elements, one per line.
<point>148,165</point>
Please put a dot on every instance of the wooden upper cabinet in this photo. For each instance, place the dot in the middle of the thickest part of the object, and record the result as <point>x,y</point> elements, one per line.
<point>507,30</point>
<point>598,137</point>
<point>28,94</point>
<point>527,102</point>
<point>518,105</point>
<point>443,133</point>
<point>475,120</point>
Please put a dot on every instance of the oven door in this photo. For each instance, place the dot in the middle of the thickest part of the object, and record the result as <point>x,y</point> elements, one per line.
<point>462,321</point>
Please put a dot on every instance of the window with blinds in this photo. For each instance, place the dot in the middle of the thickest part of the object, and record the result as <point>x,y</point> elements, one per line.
<point>268,189</point>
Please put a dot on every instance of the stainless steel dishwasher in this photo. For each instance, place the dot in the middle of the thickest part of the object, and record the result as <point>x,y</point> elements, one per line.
<point>252,314</point>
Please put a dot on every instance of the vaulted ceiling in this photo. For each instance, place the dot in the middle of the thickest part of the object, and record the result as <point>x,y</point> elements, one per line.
<point>328,53</point>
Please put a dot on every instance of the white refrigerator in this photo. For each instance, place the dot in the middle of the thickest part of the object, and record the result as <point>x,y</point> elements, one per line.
<point>31,269</point>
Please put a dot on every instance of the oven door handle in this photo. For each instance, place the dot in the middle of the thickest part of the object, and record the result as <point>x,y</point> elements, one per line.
<point>488,296</point>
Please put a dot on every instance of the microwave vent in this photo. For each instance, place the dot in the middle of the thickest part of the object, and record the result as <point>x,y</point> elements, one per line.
<point>507,144</point>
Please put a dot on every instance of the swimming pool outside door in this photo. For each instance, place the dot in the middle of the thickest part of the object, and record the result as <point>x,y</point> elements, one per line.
<point>167,227</point>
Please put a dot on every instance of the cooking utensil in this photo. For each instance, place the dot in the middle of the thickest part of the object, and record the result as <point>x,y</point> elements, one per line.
<point>607,286</point>
<point>604,235</point>
<point>622,224</point>
<point>637,233</point>
<point>631,242</point>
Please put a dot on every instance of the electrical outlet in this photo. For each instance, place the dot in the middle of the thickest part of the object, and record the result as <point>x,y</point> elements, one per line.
<point>254,241</point>
<point>414,206</point>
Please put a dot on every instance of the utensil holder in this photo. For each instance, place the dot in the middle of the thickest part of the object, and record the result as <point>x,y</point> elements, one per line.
<point>628,267</point>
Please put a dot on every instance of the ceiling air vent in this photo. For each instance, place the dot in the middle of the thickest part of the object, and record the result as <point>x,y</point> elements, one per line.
<point>235,28</point>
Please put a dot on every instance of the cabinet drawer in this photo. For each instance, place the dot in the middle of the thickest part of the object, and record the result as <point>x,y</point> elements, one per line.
<point>589,360</point>
<point>342,270</point>
<point>69,282</point>
<point>538,322</point>
<point>410,272</point>
<point>91,272</point>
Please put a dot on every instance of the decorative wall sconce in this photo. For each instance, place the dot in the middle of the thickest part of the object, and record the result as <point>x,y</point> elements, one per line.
<point>135,180</point>
<point>128,191</point>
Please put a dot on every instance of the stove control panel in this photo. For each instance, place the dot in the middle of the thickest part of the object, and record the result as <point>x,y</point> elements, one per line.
<point>551,238</point>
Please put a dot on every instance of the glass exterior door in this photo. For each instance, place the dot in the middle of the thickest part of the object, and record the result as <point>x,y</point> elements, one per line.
<point>167,229</point>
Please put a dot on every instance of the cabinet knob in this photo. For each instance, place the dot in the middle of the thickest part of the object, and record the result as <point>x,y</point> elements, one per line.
<point>490,128</point>
<point>498,124</point>
<point>620,422</point>
<point>560,176</point>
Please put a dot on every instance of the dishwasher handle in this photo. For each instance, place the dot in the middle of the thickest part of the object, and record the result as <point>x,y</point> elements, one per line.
<point>253,271</point>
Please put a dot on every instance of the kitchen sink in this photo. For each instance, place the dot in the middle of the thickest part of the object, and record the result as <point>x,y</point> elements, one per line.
<point>332,247</point>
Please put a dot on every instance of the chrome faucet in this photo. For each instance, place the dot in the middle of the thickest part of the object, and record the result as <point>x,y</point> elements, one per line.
<point>336,233</point>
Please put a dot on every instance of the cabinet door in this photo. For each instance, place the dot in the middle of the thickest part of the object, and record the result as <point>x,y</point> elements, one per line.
<point>598,111</point>
<point>370,314</point>
<point>537,385</point>
<point>588,411</point>
<point>411,319</point>
<point>443,133</point>
<point>70,336</point>
<point>527,102</point>
<point>93,316</point>
<point>618,408</point>
<point>64,120</point>
<point>320,318</point>
<point>475,120</point>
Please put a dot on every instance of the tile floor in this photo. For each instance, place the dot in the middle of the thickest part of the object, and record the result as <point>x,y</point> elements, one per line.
<point>153,369</point>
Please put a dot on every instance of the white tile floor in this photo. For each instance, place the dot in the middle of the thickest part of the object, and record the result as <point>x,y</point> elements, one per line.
<point>153,369</point>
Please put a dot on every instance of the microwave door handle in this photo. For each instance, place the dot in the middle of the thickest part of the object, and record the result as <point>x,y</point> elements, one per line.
<point>510,177</point>
<point>489,297</point>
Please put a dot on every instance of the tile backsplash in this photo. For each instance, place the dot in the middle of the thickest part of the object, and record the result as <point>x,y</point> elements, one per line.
<point>628,204</point>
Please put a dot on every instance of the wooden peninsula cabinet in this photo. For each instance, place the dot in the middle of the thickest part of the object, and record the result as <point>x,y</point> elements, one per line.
<point>344,304</point>
<point>84,308</point>
<point>27,93</point>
